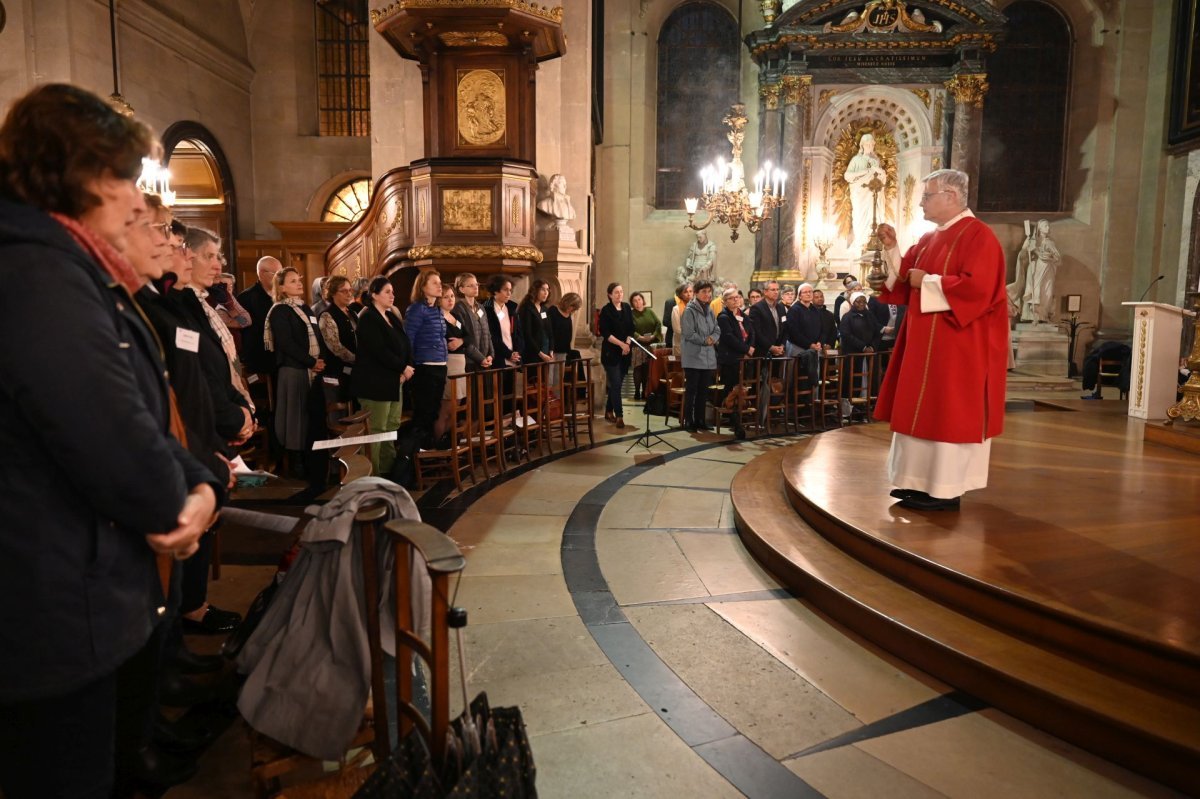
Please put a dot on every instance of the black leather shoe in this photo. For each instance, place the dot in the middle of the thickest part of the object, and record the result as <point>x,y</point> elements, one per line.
<point>215,622</point>
<point>153,767</point>
<point>188,662</point>
<point>930,503</point>
<point>740,434</point>
<point>170,738</point>
<point>906,493</point>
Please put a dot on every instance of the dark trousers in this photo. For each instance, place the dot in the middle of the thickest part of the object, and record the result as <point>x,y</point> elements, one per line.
<point>137,694</point>
<point>695,381</point>
<point>615,374</point>
<point>194,582</point>
<point>60,747</point>
<point>427,386</point>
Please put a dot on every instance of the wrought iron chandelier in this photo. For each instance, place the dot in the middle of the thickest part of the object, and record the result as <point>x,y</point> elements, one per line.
<point>725,195</point>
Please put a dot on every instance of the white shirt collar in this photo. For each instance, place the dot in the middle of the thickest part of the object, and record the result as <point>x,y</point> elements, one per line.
<point>966,212</point>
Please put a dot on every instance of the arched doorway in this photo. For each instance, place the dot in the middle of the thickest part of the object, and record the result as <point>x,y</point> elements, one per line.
<point>202,182</point>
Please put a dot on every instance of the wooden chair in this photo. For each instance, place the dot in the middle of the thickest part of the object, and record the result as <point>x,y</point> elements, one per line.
<point>803,400</point>
<point>459,455</point>
<point>860,375</point>
<point>829,402</point>
<point>271,761</point>
<point>672,384</point>
<point>775,391</point>
<point>1110,375</point>
<point>531,402</point>
<point>577,396</point>
<point>442,559</point>
<point>488,432</point>
<point>511,382</point>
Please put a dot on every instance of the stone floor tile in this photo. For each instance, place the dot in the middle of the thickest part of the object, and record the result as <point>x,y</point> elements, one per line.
<point>988,755</point>
<point>679,472</point>
<point>553,701</point>
<point>509,598</point>
<point>762,698</point>
<point>680,507</point>
<point>646,566</point>
<point>722,563</point>
<point>492,560</point>
<point>869,686</point>
<point>507,650</point>
<point>507,528</point>
<point>632,757</point>
<point>633,506</point>
<point>600,463</point>
<point>850,773</point>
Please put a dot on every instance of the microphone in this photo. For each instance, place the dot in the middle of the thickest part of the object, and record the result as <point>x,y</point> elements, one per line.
<point>1147,291</point>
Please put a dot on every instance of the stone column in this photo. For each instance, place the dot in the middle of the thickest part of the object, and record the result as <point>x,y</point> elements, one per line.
<point>793,239</point>
<point>968,91</point>
<point>766,254</point>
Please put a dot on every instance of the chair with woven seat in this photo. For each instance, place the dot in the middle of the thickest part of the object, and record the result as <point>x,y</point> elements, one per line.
<point>458,455</point>
<point>577,392</point>
<point>802,402</point>
<point>829,403</point>
<point>487,434</point>
<point>861,379</point>
<point>442,559</point>
<point>1110,375</point>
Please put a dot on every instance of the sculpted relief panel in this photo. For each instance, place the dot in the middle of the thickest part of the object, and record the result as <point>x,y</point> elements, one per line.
<point>466,209</point>
<point>481,107</point>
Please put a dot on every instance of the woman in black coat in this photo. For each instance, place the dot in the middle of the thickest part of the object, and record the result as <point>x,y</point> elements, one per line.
<point>383,361</point>
<point>292,334</point>
<point>616,328</point>
<point>534,320</point>
<point>92,480</point>
<point>736,342</point>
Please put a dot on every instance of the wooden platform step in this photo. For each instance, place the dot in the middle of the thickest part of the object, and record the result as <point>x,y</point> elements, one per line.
<point>1110,713</point>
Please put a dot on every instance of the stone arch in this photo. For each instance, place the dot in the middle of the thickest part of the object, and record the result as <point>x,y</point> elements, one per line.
<point>203,140</point>
<point>911,125</point>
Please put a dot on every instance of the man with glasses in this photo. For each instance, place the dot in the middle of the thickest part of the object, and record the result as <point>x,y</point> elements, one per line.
<point>257,300</point>
<point>944,388</point>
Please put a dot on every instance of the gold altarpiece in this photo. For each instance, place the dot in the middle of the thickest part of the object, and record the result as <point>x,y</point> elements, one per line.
<point>913,74</point>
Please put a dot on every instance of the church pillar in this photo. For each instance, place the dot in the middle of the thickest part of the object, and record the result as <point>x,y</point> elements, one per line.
<point>770,127</point>
<point>968,91</point>
<point>794,233</point>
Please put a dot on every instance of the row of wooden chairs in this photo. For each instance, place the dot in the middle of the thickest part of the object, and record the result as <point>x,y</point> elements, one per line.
<point>500,418</point>
<point>778,395</point>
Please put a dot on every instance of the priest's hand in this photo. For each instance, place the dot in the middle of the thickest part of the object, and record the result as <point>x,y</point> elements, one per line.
<point>887,235</point>
<point>915,276</point>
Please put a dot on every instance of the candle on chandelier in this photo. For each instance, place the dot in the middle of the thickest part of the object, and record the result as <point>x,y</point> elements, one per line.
<point>691,204</point>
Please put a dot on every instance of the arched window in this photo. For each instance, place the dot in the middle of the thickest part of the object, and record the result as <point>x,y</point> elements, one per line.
<point>343,68</point>
<point>1023,146</point>
<point>698,70</point>
<point>349,202</point>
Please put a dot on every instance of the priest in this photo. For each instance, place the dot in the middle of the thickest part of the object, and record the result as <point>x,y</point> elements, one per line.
<point>944,388</point>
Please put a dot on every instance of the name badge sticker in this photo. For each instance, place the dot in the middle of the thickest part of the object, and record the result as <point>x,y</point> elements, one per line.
<point>783,319</point>
<point>312,319</point>
<point>479,313</point>
<point>543,314</point>
<point>187,340</point>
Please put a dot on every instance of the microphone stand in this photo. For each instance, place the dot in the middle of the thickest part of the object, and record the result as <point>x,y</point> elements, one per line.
<point>645,438</point>
<point>1152,284</point>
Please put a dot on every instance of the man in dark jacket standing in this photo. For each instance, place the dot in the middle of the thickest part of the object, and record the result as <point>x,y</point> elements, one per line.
<point>258,300</point>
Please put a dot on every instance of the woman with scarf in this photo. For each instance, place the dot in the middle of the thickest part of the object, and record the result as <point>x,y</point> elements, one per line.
<point>292,334</point>
<point>94,482</point>
<point>337,325</point>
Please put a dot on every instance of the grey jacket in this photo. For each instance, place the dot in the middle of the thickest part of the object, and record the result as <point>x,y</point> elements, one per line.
<point>698,325</point>
<point>308,664</point>
<point>477,343</point>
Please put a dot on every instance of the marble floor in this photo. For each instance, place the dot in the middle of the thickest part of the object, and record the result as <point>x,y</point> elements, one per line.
<point>611,599</point>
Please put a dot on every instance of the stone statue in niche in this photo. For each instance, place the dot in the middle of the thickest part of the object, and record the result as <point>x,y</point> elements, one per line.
<point>701,261</point>
<point>1031,294</point>
<point>862,169</point>
<point>556,202</point>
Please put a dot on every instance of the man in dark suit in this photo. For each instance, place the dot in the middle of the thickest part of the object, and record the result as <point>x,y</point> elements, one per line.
<point>889,318</point>
<point>829,326</point>
<point>767,318</point>
<point>257,300</point>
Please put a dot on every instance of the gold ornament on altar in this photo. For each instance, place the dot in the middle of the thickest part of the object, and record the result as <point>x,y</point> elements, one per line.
<point>481,107</point>
<point>885,16</point>
<point>845,149</point>
<point>725,195</point>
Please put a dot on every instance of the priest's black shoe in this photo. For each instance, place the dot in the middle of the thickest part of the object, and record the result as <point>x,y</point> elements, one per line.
<point>906,493</point>
<point>188,662</point>
<point>153,767</point>
<point>927,502</point>
<point>215,622</point>
<point>170,738</point>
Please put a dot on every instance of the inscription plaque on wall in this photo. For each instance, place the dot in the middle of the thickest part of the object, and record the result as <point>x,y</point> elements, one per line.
<point>880,60</point>
<point>466,209</point>
<point>481,107</point>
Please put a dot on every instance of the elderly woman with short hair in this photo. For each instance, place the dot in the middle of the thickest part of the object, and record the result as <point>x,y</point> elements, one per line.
<point>93,482</point>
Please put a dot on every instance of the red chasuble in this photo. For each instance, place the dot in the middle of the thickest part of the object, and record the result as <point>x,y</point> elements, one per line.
<point>946,379</point>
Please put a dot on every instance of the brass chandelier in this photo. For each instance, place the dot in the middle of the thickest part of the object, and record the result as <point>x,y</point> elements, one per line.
<point>725,195</point>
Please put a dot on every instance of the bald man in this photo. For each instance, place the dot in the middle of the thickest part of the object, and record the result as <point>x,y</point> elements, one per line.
<point>258,300</point>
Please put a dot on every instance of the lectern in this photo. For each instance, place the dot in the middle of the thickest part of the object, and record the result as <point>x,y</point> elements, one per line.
<point>1155,367</point>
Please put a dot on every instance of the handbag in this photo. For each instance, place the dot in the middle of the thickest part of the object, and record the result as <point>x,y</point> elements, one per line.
<point>554,408</point>
<point>732,397</point>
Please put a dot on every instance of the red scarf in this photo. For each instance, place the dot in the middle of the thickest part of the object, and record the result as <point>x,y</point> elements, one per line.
<point>104,253</point>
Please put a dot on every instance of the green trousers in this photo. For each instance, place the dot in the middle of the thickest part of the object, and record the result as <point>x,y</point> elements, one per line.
<point>383,417</point>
